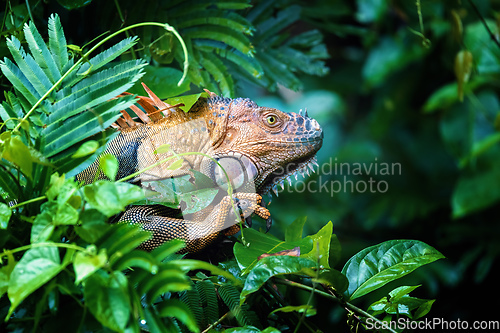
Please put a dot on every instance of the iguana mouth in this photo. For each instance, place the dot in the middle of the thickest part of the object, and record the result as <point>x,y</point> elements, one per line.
<point>296,168</point>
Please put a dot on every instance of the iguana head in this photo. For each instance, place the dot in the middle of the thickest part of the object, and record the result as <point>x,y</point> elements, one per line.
<point>260,146</point>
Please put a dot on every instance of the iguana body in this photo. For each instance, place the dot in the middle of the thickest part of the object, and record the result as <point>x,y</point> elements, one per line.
<point>258,148</point>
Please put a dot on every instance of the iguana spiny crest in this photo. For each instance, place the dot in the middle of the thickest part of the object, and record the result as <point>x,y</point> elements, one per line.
<point>257,147</point>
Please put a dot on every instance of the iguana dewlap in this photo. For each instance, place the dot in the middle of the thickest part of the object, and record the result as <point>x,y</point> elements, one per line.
<point>257,147</point>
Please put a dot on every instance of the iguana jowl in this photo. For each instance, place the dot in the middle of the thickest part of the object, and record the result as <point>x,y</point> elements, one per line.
<point>258,147</point>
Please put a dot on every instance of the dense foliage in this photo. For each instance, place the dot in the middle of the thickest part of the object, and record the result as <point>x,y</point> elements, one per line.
<point>409,109</point>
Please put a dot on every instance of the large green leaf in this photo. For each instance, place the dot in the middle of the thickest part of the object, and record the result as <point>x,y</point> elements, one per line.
<point>275,265</point>
<point>380,264</point>
<point>37,266</point>
<point>177,309</point>
<point>111,198</point>
<point>260,243</point>
<point>107,298</point>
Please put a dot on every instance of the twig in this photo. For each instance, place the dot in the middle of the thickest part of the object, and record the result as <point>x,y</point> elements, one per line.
<point>217,322</point>
<point>346,305</point>
<point>492,36</point>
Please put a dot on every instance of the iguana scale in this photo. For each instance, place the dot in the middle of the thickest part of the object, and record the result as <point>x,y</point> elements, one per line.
<point>258,147</point>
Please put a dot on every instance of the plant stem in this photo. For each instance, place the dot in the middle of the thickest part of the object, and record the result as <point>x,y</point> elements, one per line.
<point>43,197</point>
<point>42,244</point>
<point>492,36</point>
<point>120,14</point>
<point>217,322</point>
<point>345,304</point>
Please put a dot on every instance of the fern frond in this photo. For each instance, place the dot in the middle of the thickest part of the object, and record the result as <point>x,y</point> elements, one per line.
<point>57,43</point>
<point>237,40</point>
<point>62,135</point>
<point>41,54</point>
<point>95,89</point>
<point>233,4</point>
<point>231,297</point>
<point>208,299</point>
<point>249,64</point>
<point>192,299</point>
<point>22,76</point>
<point>107,56</point>
<point>218,70</point>
<point>9,184</point>
<point>227,20</point>
<point>66,163</point>
<point>78,108</point>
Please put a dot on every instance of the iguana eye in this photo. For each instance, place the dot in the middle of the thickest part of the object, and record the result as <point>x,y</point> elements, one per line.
<point>271,120</point>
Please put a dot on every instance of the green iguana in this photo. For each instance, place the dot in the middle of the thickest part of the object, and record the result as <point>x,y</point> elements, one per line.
<point>258,147</point>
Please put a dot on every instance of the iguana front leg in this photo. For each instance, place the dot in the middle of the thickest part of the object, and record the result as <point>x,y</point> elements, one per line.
<point>200,230</point>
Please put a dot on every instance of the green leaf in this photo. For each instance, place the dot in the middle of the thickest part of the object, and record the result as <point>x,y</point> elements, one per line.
<point>333,278</point>
<point>187,100</point>
<point>294,231</point>
<point>8,183</point>
<point>6,271</point>
<point>111,198</point>
<point>57,42</point>
<point>93,225</point>
<point>167,249</point>
<point>169,279</point>
<point>234,39</point>
<point>309,310</point>
<point>389,56</point>
<point>107,298</point>
<point>161,80</point>
<point>86,264</point>
<point>87,148</point>
<point>321,245</point>
<point>37,266</point>
<point>259,243</point>
<point>272,266</point>
<point>5,214</point>
<point>176,309</point>
<point>463,68</point>
<point>218,70</point>
<point>109,165</point>
<point>52,214</point>
<point>380,264</point>
<point>139,259</point>
<point>41,54</point>
<point>17,152</point>
<point>400,303</point>
<point>446,96</point>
